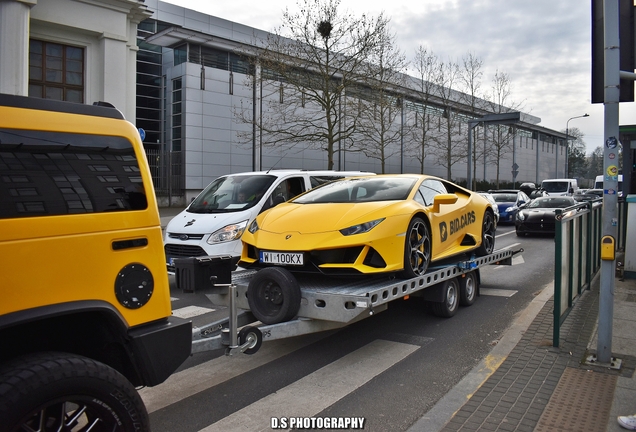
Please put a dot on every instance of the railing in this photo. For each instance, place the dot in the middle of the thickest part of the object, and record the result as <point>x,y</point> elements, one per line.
<point>577,253</point>
<point>166,171</point>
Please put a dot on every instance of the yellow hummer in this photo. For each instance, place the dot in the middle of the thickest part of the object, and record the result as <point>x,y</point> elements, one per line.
<point>85,313</point>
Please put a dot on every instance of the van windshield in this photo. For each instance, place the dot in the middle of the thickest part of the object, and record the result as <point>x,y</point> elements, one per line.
<point>232,193</point>
<point>555,186</point>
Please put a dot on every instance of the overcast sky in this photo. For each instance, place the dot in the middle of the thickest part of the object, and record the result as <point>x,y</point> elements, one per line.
<point>543,46</point>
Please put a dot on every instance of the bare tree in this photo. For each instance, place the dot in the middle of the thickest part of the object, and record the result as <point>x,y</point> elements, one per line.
<point>450,148</point>
<point>381,108</point>
<point>305,68</point>
<point>501,102</point>
<point>595,162</point>
<point>470,77</point>
<point>427,67</point>
<point>578,165</point>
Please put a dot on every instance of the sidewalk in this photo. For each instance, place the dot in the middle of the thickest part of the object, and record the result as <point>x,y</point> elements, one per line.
<point>537,387</point>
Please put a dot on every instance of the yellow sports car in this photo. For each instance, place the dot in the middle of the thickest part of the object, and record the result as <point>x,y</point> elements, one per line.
<point>368,225</point>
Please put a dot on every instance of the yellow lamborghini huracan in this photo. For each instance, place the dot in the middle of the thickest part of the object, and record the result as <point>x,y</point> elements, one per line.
<point>375,224</point>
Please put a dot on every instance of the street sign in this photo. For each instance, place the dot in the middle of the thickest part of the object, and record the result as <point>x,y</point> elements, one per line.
<point>514,173</point>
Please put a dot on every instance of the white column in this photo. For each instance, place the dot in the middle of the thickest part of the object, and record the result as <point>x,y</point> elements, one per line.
<point>14,46</point>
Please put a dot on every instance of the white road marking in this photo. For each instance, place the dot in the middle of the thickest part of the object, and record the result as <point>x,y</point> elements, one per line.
<point>173,299</point>
<point>191,311</point>
<point>505,234</point>
<point>497,292</point>
<point>196,379</point>
<point>319,390</point>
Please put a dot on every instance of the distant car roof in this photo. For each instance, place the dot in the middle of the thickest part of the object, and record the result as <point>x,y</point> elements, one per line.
<point>503,191</point>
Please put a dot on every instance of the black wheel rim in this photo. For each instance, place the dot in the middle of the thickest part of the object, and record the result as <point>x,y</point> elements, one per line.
<point>269,297</point>
<point>419,248</point>
<point>73,414</point>
<point>489,233</point>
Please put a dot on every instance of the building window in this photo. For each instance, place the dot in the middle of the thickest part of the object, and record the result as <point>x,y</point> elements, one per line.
<point>177,109</point>
<point>56,71</point>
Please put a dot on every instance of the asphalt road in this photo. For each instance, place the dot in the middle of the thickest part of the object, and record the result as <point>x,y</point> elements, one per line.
<point>389,369</point>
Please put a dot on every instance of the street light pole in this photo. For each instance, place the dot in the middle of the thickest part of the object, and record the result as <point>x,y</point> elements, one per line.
<point>567,145</point>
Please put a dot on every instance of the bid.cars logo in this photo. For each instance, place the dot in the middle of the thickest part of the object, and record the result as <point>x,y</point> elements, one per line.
<point>443,231</point>
<point>456,225</point>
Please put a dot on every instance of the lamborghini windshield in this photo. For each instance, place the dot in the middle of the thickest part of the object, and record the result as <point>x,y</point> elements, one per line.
<point>357,190</point>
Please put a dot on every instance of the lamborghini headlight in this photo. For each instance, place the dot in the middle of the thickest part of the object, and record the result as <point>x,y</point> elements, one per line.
<point>360,228</point>
<point>253,227</point>
<point>228,233</point>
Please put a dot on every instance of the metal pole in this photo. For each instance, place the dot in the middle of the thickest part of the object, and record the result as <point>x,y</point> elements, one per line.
<point>610,170</point>
<point>402,137</point>
<point>469,179</point>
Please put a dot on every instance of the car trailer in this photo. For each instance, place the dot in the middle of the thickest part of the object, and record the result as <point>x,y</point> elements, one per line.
<point>273,303</point>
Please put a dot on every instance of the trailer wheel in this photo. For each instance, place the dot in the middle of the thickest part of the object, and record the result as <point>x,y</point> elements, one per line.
<point>60,391</point>
<point>417,249</point>
<point>488,230</point>
<point>256,337</point>
<point>273,295</point>
<point>448,307</point>
<point>468,286</point>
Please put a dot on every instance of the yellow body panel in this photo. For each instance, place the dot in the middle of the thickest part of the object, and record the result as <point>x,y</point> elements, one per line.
<point>292,227</point>
<point>65,258</point>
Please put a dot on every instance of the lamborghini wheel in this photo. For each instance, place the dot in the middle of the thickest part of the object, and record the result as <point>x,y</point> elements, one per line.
<point>487,234</point>
<point>417,249</point>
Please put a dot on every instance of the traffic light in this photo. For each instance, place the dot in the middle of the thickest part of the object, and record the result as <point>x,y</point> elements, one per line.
<point>626,37</point>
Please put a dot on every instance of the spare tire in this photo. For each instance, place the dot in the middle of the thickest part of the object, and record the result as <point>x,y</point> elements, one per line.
<point>273,295</point>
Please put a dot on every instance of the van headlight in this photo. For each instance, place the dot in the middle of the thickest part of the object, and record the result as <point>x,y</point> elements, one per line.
<point>228,233</point>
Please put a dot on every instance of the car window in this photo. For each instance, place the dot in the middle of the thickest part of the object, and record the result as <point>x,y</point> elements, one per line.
<point>317,180</point>
<point>77,173</point>
<point>359,190</point>
<point>504,197</point>
<point>552,202</point>
<point>232,193</point>
<point>427,191</point>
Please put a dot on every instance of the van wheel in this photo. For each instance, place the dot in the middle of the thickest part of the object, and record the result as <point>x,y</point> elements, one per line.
<point>448,306</point>
<point>68,392</point>
<point>273,295</point>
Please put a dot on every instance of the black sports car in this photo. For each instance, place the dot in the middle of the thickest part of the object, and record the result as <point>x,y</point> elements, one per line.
<point>537,217</point>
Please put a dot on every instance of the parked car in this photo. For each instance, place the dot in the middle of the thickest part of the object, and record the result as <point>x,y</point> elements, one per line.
<point>493,204</point>
<point>538,216</point>
<point>588,195</point>
<point>369,225</point>
<point>215,220</point>
<point>509,201</point>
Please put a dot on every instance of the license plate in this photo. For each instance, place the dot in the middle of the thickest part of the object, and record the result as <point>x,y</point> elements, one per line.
<point>282,258</point>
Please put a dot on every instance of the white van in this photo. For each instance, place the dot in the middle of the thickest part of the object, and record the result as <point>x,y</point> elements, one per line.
<point>214,221</point>
<point>560,187</point>
<point>598,183</point>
